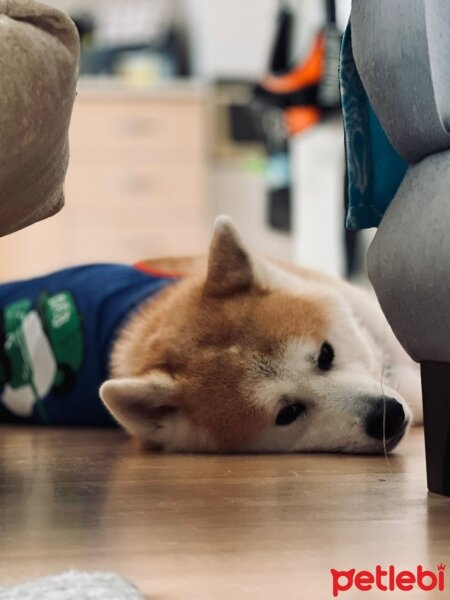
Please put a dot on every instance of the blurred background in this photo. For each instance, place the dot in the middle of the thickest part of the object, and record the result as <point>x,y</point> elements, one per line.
<point>187,109</point>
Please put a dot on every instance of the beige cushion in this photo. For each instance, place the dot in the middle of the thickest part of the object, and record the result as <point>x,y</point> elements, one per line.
<point>39,52</point>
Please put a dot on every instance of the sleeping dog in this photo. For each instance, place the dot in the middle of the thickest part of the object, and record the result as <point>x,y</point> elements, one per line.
<point>236,354</point>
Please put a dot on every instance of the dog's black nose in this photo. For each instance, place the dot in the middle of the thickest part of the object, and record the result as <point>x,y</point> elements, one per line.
<point>386,419</point>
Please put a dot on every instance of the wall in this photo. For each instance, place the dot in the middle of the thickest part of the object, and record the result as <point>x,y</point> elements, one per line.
<point>232,38</point>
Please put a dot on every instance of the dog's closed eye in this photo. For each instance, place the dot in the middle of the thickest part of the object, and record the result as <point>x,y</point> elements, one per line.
<point>326,357</point>
<point>290,413</point>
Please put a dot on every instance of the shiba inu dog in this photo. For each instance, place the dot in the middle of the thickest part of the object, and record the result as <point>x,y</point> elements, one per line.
<point>243,354</point>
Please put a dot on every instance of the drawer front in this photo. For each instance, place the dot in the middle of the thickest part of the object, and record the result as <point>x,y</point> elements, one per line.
<point>138,186</point>
<point>128,155</point>
<point>137,125</point>
<point>127,214</point>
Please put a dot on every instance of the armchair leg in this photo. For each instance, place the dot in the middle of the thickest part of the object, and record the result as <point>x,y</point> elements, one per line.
<point>436,409</point>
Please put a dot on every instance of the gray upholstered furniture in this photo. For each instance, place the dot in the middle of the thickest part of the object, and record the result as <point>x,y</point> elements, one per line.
<point>402,52</point>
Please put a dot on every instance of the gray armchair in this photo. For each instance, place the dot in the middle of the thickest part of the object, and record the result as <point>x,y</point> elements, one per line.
<point>402,52</point>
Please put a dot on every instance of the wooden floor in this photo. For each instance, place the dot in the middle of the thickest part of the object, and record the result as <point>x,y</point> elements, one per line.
<point>211,527</point>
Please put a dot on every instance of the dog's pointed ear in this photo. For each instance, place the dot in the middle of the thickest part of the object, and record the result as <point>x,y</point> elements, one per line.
<point>230,268</point>
<point>141,405</point>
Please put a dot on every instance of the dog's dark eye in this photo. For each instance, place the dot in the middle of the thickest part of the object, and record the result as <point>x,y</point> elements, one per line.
<point>325,357</point>
<point>290,413</point>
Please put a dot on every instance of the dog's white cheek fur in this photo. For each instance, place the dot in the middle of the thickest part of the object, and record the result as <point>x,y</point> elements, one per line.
<point>337,401</point>
<point>404,373</point>
<point>389,368</point>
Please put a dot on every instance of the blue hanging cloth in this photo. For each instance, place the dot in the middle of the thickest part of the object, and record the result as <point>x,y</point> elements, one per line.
<point>374,169</point>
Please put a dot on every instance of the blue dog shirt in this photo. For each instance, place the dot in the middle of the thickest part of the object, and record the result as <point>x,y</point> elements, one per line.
<point>56,336</point>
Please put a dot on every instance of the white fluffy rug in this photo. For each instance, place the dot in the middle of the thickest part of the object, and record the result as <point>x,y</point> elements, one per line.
<point>74,585</point>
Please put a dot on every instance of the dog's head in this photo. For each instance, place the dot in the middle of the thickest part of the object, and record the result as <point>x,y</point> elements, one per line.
<point>252,358</point>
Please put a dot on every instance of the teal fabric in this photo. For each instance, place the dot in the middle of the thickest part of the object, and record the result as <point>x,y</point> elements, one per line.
<point>374,169</point>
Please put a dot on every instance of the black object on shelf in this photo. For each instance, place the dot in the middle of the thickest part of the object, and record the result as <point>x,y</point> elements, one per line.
<point>85,24</point>
<point>278,170</point>
<point>330,8</point>
<point>244,128</point>
<point>328,93</point>
<point>281,52</point>
<point>278,165</point>
<point>303,94</point>
<point>105,60</point>
<point>279,210</point>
